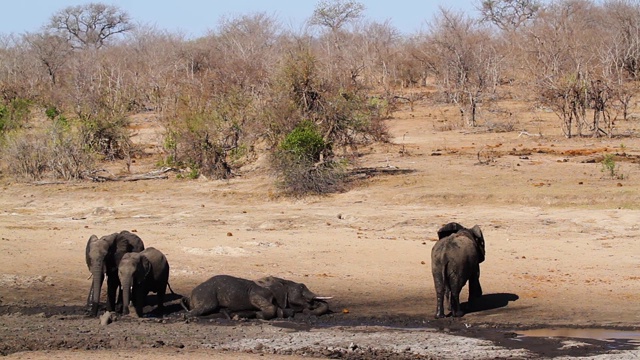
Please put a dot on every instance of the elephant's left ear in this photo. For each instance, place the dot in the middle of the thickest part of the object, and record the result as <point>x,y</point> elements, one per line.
<point>144,269</point>
<point>479,240</point>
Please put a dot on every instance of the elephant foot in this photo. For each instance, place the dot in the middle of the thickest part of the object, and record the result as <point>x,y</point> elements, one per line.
<point>458,313</point>
<point>440,315</point>
<point>94,310</point>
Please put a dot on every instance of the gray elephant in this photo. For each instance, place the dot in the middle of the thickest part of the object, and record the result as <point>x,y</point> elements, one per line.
<point>226,294</point>
<point>455,259</point>
<point>293,297</point>
<point>103,256</point>
<point>142,273</point>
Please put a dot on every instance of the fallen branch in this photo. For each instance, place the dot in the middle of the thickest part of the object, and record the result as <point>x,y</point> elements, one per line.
<point>153,175</point>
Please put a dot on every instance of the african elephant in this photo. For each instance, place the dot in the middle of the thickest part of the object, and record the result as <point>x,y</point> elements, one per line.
<point>141,273</point>
<point>224,293</point>
<point>103,256</point>
<point>293,297</point>
<point>455,259</point>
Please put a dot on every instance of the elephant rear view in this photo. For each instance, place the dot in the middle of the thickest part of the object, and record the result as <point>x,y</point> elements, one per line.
<point>103,256</point>
<point>455,259</point>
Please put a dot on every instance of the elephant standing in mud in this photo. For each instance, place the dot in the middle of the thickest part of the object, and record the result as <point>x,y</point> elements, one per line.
<point>141,273</point>
<point>226,294</point>
<point>103,256</point>
<point>293,297</point>
<point>455,259</point>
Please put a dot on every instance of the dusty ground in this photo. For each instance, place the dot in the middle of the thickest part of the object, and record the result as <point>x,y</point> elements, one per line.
<point>562,238</point>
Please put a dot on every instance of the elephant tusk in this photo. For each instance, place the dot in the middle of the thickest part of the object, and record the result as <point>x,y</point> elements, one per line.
<point>90,276</point>
<point>323,298</point>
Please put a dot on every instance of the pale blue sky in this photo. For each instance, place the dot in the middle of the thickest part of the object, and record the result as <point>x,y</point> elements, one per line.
<point>195,17</point>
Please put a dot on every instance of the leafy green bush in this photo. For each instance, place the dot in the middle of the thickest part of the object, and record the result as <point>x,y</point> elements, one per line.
<point>304,142</point>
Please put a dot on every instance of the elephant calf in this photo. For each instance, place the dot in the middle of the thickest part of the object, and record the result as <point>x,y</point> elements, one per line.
<point>224,293</point>
<point>142,273</point>
<point>455,259</point>
<point>293,297</point>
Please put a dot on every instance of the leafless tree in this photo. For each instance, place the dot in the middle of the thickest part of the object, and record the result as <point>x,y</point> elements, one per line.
<point>465,59</point>
<point>90,25</point>
<point>52,51</point>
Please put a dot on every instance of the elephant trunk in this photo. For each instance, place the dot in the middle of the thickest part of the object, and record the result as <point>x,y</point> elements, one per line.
<point>97,272</point>
<point>125,284</point>
<point>319,308</point>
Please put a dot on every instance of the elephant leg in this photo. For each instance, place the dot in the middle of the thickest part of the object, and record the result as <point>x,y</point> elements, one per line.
<point>160,308</point>
<point>438,280</point>
<point>267,309</point>
<point>456,311</point>
<point>204,309</point>
<point>112,287</point>
<point>475,290</point>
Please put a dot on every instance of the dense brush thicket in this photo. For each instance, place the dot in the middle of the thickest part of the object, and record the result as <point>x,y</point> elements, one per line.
<point>312,97</point>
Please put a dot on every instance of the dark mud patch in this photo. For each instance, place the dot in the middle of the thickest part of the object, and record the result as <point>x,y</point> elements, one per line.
<point>68,327</point>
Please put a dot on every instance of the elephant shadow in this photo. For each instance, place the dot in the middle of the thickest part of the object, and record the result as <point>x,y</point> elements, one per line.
<point>171,305</point>
<point>490,302</point>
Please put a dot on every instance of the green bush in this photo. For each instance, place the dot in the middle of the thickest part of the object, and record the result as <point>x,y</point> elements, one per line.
<point>304,142</point>
<point>14,114</point>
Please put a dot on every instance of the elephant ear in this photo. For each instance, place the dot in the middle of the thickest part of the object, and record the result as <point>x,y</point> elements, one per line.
<point>479,240</point>
<point>143,270</point>
<point>280,293</point>
<point>448,229</point>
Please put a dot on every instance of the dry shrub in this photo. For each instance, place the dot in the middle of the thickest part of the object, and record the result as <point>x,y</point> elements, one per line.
<point>56,151</point>
<point>299,177</point>
<point>27,155</point>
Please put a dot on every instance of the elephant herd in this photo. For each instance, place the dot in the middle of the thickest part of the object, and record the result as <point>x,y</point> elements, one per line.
<point>133,272</point>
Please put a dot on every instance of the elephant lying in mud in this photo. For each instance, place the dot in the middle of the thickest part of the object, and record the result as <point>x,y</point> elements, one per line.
<point>141,273</point>
<point>224,293</point>
<point>247,298</point>
<point>103,256</point>
<point>293,297</point>
<point>455,259</point>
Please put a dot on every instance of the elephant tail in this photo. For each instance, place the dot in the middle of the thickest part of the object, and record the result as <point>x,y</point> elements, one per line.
<point>185,303</point>
<point>170,289</point>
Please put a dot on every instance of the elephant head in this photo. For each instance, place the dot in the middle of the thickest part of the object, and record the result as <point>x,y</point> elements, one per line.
<point>294,296</point>
<point>133,270</point>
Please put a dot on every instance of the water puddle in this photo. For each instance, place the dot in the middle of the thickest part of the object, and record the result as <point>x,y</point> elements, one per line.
<point>594,334</point>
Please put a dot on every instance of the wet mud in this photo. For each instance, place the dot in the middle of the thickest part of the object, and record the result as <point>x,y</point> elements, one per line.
<point>69,327</point>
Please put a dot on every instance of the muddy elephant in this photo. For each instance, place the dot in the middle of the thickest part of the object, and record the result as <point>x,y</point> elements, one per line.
<point>455,259</point>
<point>142,273</point>
<point>228,294</point>
<point>293,297</point>
<point>103,256</point>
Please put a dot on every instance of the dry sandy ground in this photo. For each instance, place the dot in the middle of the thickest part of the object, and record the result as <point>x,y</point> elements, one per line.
<point>562,239</point>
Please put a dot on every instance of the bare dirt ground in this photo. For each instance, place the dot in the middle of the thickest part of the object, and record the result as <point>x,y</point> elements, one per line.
<point>562,238</point>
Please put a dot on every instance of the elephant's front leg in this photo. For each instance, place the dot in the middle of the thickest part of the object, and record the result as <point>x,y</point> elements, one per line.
<point>113,284</point>
<point>475,290</point>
